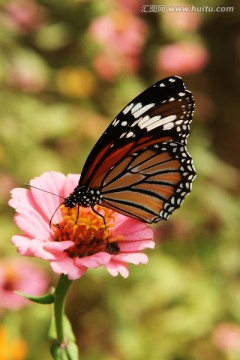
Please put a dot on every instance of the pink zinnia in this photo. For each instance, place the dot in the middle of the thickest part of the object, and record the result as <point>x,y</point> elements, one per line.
<point>182,58</point>
<point>78,238</point>
<point>21,275</point>
<point>110,65</point>
<point>226,337</point>
<point>120,32</point>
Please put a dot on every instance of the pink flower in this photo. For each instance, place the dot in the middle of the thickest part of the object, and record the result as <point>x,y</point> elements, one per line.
<point>24,15</point>
<point>133,6</point>
<point>226,337</point>
<point>121,36</point>
<point>78,238</point>
<point>119,32</point>
<point>182,58</point>
<point>109,66</point>
<point>20,275</point>
<point>182,20</point>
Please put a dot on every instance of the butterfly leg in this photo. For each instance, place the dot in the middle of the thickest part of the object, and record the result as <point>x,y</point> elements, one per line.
<point>78,212</point>
<point>111,247</point>
<point>97,213</point>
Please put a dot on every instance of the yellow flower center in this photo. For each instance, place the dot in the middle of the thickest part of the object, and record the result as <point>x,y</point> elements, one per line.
<point>89,230</point>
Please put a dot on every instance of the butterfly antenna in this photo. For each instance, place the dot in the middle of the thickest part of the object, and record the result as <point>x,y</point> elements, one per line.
<point>48,192</point>
<point>50,221</point>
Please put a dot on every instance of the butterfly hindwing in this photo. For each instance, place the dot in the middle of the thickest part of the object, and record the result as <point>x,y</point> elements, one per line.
<point>151,183</point>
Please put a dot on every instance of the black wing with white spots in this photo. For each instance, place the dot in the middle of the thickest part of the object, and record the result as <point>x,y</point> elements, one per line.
<point>164,110</point>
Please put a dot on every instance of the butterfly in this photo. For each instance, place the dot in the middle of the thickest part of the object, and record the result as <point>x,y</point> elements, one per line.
<point>140,166</point>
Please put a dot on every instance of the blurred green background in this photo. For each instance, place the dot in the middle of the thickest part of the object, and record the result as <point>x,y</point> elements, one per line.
<point>66,69</point>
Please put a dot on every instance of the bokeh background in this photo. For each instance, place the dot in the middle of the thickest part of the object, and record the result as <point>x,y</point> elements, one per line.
<point>66,69</point>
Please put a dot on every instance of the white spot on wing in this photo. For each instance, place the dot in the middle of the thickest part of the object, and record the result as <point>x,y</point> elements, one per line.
<point>127,108</point>
<point>168,126</point>
<point>167,119</point>
<point>149,123</point>
<point>130,134</point>
<point>115,122</point>
<point>156,121</point>
<point>138,111</point>
<point>142,123</point>
<point>122,135</point>
<point>136,107</point>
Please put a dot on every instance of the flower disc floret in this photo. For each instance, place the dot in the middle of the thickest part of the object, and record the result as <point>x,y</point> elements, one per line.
<point>89,230</point>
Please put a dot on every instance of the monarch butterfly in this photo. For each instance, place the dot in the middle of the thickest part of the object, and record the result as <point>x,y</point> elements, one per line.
<point>140,166</point>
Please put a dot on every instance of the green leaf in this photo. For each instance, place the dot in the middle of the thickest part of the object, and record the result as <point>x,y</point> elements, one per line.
<point>44,299</point>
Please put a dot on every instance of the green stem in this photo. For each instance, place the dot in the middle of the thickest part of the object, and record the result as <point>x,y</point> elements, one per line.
<point>59,302</point>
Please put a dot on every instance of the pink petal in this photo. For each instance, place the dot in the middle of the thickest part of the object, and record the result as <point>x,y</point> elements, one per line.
<point>94,261</point>
<point>115,268</point>
<point>46,203</point>
<point>132,229</point>
<point>133,246</point>
<point>67,266</point>
<point>135,258</point>
<point>71,182</point>
<point>28,218</point>
<point>35,247</point>
<point>23,244</point>
<point>38,249</point>
<point>57,248</point>
<point>146,233</point>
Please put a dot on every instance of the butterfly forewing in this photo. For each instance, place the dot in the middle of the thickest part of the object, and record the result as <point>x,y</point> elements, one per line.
<point>163,110</point>
<point>140,166</point>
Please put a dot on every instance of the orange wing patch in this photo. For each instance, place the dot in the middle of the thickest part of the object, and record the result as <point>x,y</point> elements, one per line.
<point>144,183</point>
<point>124,205</point>
<point>111,160</point>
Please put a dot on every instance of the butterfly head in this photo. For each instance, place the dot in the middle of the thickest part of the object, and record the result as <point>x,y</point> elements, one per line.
<point>70,202</point>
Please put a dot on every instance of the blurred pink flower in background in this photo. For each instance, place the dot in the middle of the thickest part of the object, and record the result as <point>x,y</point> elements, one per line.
<point>182,20</point>
<point>119,31</point>
<point>20,275</point>
<point>133,6</point>
<point>182,58</point>
<point>109,66</point>
<point>78,238</point>
<point>226,337</point>
<point>122,37</point>
<point>24,15</point>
